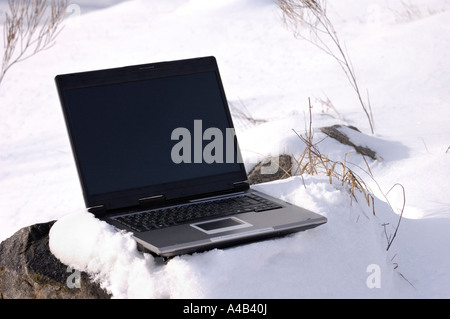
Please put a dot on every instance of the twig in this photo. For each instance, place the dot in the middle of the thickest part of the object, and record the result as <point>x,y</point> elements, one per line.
<point>312,13</point>
<point>401,214</point>
<point>424,144</point>
<point>29,29</point>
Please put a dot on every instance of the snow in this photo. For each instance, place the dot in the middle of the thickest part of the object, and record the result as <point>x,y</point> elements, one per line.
<point>399,55</point>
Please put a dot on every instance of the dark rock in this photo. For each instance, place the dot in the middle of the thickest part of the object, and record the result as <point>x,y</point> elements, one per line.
<point>28,269</point>
<point>335,132</point>
<point>257,176</point>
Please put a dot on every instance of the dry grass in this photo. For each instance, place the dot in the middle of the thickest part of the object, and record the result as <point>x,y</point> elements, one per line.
<point>241,114</point>
<point>328,106</point>
<point>312,14</point>
<point>30,27</point>
<point>312,162</point>
<point>408,11</point>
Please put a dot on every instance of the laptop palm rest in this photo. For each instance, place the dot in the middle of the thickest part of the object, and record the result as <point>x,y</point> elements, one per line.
<point>221,225</point>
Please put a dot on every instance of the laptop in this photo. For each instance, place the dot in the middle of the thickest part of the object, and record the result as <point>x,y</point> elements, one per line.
<point>157,155</point>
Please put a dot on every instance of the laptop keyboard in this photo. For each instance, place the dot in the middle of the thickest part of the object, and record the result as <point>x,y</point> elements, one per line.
<point>165,217</point>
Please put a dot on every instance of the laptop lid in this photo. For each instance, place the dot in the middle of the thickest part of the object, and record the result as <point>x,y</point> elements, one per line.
<point>153,131</point>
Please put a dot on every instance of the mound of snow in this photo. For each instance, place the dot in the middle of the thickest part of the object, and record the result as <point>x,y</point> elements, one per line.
<point>345,258</point>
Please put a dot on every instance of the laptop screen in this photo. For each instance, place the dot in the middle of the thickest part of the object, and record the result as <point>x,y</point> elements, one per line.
<point>150,132</point>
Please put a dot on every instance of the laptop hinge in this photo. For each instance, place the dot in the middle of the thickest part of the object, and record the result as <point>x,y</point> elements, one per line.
<point>151,200</point>
<point>241,186</point>
<point>99,209</point>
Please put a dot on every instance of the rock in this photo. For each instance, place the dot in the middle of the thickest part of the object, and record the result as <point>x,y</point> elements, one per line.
<point>336,132</point>
<point>28,269</point>
<point>281,170</point>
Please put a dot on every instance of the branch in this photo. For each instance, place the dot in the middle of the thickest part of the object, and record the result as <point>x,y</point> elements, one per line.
<point>312,13</point>
<point>30,26</point>
<point>401,214</point>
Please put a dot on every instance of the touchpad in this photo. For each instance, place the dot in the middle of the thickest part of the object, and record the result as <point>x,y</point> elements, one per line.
<point>221,225</point>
